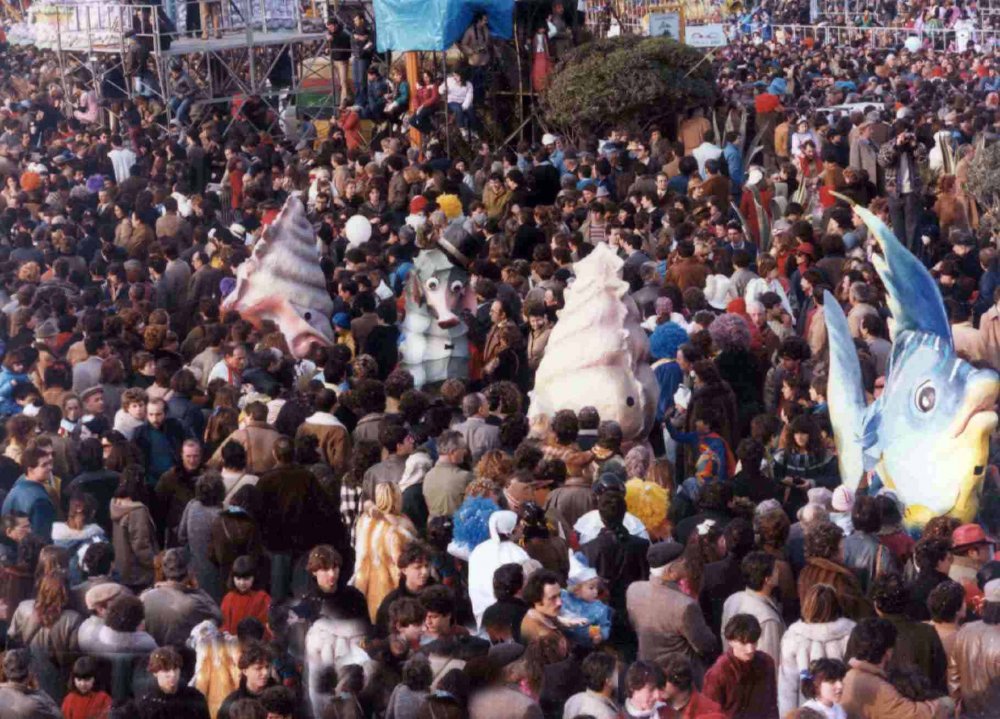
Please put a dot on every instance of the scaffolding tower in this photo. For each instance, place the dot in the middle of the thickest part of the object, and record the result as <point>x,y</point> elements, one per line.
<point>282,63</point>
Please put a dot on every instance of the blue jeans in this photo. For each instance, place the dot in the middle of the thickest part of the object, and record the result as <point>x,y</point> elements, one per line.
<point>464,118</point>
<point>180,107</point>
<point>359,75</point>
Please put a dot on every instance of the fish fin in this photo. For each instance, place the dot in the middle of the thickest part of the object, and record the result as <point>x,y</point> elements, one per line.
<point>871,440</point>
<point>913,296</point>
<point>743,221</point>
<point>845,395</point>
<point>763,221</point>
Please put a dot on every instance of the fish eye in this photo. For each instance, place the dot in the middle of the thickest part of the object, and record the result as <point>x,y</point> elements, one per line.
<point>926,397</point>
<point>457,286</point>
<point>432,284</point>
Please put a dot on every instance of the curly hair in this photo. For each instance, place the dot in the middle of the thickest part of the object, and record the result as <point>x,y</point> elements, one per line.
<point>730,332</point>
<point>495,466</point>
<point>823,540</point>
<point>773,528</point>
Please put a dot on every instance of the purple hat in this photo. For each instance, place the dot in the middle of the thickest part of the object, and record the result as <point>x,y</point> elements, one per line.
<point>95,183</point>
<point>227,285</point>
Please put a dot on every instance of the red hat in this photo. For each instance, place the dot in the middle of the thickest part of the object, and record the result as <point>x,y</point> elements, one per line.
<point>417,204</point>
<point>967,535</point>
<point>806,248</point>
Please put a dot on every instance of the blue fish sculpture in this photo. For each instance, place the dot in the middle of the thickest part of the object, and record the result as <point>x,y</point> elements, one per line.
<point>927,435</point>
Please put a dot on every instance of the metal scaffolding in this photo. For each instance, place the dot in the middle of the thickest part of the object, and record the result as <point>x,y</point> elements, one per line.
<point>97,45</point>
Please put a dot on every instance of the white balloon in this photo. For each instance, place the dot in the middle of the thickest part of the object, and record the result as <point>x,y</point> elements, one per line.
<point>358,230</point>
<point>912,43</point>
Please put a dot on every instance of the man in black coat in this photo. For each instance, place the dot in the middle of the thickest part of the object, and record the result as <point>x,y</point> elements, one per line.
<point>722,579</point>
<point>619,558</point>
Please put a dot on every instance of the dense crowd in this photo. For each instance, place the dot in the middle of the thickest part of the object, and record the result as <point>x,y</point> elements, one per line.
<point>195,523</point>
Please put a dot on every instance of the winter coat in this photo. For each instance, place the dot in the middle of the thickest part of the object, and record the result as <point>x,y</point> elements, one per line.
<point>974,669</point>
<point>380,539</point>
<point>172,610</point>
<point>917,646</point>
<point>666,621</point>
<point>869,695</point>
<point>19,702</point>
<point>619,561</point>
<point>297,514</point>
<point>233,534</point>
<point>186,703</point>
<point>766,612</point>
<point>868,558</point>
<point>8,381</point>
<point>53,649</point>
<point>195,533</point>
<point>32,499</point>
<point>334,439</point>
<point>258,439</point>
<point>747,690</point>
<point>802,644</point>
<point>134,539</point>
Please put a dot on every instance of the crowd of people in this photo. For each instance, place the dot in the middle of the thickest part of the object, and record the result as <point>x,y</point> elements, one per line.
<point>196,523</point>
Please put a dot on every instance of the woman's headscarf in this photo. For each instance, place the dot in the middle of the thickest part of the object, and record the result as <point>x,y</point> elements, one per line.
<point>490,556</point>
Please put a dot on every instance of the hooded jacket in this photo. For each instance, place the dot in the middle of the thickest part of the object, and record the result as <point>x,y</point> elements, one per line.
<point>134,538</point>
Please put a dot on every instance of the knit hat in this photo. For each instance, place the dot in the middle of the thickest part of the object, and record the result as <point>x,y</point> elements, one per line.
<point>666,339</point>
<point>843,499</point>
<point>418,204</point>
<point>342,320</point>
<point>579,570</point>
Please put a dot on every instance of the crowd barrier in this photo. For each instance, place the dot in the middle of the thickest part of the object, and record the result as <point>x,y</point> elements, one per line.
<point>887,37</point>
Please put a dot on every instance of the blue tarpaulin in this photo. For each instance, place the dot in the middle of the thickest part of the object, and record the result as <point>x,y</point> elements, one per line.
<point>404,25</point>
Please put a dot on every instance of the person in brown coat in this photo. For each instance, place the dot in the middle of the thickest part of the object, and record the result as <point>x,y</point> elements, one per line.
<point>824,546</point>
<point>973,674</point>
<point>687,271</point>
<point>133,534</point>
<point>867,692</point>
<point>257,438</point>
<point>666,619</point>
<point>334,439</point>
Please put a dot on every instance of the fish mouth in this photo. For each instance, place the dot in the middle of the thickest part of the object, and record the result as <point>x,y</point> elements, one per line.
<point>304,341</point>
<point>981,403</point>
<point>448,323</point>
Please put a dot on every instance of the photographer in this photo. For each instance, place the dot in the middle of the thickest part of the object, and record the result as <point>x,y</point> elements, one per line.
<point>900,159</point>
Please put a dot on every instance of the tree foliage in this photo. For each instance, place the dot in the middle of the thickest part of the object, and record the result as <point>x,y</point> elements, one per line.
<point>984,175</point>
<point>628,81</point>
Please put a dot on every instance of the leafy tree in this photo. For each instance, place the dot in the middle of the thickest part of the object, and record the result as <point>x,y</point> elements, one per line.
<point>628,81</point>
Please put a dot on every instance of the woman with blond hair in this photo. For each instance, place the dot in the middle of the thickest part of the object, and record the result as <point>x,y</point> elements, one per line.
<point>382,532</point>
<point>47,628</point>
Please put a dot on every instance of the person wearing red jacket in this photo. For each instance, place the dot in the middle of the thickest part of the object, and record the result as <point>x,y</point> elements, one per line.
<point>426,98</point>
<point>681,699</point>
<point>743,680</point>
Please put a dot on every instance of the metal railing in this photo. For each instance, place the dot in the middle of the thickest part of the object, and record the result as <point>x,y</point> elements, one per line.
<point>97,27</point>
<point>884,37</point>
